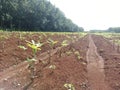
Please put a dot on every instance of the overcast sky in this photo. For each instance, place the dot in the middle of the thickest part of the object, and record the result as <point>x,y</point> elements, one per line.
<point>91,14</point>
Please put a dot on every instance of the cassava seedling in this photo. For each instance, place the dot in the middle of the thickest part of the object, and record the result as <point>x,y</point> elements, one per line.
<point>20,36</point>
<point>77,54</point>
<point>69,52</point>
<point>69,86</point>
<point>101,51</point>
<point>52,67</point>
<point>2,39</point>
<point>3,45</point>
<point>63,44</point>
<point>52,44</point>
<point>35,47</point>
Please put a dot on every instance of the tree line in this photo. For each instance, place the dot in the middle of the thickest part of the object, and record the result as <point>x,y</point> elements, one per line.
<point>111,29</point>
<point>114,29</point>
<point>34,15</point>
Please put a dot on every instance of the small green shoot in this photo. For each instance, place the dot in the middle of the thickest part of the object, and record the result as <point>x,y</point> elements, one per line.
<point>22,47</point>
<point>77,54</point>
<point>69,86</point>
<point>52,43</point>
<point>68,53</point>
<point>64,43</point>
<point>52,67</point>
<point>21,36</point>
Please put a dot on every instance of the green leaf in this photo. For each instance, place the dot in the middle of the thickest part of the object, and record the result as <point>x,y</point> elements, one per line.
<point>69,86</point>
<point>64,43</point>
<point>22,47</point>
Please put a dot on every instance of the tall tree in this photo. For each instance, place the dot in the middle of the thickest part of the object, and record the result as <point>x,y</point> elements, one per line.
<point>32,15</point>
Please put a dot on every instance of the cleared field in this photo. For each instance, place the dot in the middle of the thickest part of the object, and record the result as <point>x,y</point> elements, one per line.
<point>58,61</point>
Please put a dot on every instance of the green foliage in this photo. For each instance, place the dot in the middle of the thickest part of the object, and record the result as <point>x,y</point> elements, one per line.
<point>34,46</point>
<point>30,15</point>
<point>52,43</point>
<point>114,29</point>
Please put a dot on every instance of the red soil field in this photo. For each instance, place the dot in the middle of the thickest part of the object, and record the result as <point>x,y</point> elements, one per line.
<point>89,63</point>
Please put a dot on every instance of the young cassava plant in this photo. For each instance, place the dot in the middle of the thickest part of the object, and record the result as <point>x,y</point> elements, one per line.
<point>52,44</point>
<point>63,44</point>
<point>69,86</point>
<point>35,47</point>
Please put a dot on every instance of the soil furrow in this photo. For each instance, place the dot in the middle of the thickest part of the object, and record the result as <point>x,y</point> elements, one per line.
<point>95,69</point>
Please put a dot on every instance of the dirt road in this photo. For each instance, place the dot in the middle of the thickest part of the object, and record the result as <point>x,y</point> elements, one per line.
<point>95,69</point>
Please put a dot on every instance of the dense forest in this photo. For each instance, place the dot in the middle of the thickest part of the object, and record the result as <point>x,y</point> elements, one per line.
<point>34,15</point>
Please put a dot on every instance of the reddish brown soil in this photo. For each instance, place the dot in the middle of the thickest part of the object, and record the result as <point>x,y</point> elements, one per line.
<point>13,55</point>
<point>111,61</point>
<point>68,68</point>
<point>97,69</point>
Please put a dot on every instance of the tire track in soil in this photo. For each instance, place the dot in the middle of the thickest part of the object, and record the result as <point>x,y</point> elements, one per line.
<point>96,76</point>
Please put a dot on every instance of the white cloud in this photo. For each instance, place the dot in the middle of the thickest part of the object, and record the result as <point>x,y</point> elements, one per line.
<point>91,14</point>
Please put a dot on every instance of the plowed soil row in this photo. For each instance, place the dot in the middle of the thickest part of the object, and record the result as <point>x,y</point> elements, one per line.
<point>95,67</point>
<point>111,61</point>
